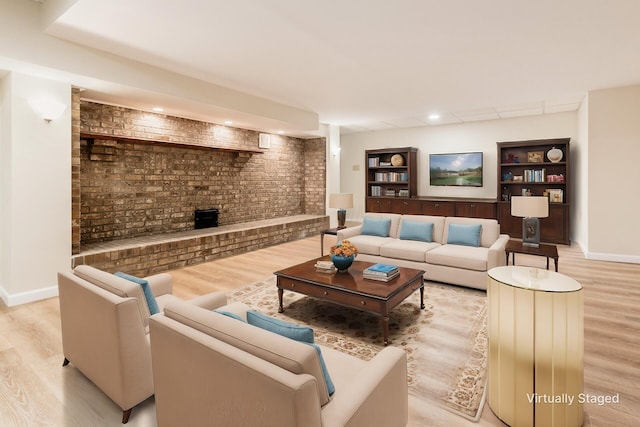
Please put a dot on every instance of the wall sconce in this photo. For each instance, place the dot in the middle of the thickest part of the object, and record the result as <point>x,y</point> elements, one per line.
<point>48,109</point>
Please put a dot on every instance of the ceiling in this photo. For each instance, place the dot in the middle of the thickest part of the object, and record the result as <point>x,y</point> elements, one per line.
<point>373,64</point>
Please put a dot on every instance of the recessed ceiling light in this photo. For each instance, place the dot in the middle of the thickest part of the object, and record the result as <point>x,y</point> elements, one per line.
<point>228,122</point>
<point>434,116</point>
<point>158,109</point>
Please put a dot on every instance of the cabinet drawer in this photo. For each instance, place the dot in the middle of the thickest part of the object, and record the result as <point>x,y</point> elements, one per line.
<point>333,295</point>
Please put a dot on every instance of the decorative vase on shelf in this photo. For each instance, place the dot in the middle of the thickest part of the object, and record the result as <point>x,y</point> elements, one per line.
<point>342,263</point>
<point>554,155</point>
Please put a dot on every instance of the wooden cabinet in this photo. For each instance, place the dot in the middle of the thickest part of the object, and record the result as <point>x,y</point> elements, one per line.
<point>537,168</point>
<point>406,206</point>
<point>378,204</point>
<point>438,208</point>
<point>476,209</point>
<point>391,172</point>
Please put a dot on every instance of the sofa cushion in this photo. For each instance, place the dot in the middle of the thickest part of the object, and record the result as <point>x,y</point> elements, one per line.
<point>375,227</point>
<point>116,285</point>
<point>295,332</point>
<point>296,357</point>
<point>369,244</point>
<point>490,228</point>
<point>292,331</point>
<point>464,234</point>
<point>150,299</point>
<point>395,221</point>
<point>414,230</point>
<point>459,256</point>
<point>437,221</point>
<point>411,250</point>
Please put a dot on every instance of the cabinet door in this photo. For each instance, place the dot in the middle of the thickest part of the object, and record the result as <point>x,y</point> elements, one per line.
<point>378,205</point>
<point>438,208</point>
<point>510,225</point>
<point>555,228</point>
<point>476,210</point>
<point>406,207</point>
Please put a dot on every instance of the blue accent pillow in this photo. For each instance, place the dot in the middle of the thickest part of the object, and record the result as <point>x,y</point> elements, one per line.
<point>289,330</point>
<point>146,289</point>
<point>295,332</point>
<point>230,314</point>
<point>463,234</point>
<point>414,230</point>
<point>375,227</point>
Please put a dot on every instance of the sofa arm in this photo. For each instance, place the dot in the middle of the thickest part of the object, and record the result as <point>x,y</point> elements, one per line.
<point>161,284</point>
<point>345,233</point>
<point>378,396</point>
<point>210,301</point>
<point>497,254</point>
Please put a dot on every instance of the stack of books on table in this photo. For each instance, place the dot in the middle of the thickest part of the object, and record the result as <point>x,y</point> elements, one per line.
<point>325,267</point>
<point>381,272</point>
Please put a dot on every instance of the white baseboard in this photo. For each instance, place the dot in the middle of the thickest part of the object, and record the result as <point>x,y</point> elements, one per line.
<point>30,296</point>
<point>598,256</point>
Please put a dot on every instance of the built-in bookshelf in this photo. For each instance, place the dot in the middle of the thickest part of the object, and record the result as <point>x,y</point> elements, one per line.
<point>391,172</point>
<point>535,168</point>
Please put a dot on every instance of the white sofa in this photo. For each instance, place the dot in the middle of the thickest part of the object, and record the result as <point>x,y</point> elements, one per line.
<point>443,262</point>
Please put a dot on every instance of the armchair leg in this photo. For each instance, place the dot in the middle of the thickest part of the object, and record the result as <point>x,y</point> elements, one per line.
<point>66,362</point>
<point>125,415</point>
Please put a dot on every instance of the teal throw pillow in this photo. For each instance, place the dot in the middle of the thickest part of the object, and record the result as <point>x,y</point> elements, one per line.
<point>463,234</point>
<point>229,314</point>
<point>414,230</point>
<point>375,227</point>
<point>146,289</point>
<point>300,333</point>
<point>289,330</point>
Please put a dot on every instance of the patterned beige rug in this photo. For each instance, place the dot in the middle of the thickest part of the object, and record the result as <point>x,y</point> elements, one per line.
<point>446,343</point>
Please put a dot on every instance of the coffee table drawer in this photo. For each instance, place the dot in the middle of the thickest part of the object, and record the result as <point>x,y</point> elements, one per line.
<point>333,295</point>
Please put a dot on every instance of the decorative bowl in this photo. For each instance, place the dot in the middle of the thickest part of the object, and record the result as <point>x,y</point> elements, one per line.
<point>554,155</point>
<point>342,263</point>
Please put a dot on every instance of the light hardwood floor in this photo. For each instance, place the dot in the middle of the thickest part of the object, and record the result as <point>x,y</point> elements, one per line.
<point>35,390</point>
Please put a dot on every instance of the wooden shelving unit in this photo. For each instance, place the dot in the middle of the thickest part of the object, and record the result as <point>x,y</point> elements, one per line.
<point>524,167</point>
<point>390,173</point>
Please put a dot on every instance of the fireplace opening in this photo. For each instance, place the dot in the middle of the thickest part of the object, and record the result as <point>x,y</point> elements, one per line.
<point>205,218</point>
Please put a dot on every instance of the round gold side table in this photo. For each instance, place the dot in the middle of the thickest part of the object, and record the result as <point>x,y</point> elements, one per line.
<point>536,347</point>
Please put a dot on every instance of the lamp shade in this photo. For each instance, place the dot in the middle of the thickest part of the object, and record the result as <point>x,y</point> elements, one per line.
<point>341,201</point>
<point>530,206</point>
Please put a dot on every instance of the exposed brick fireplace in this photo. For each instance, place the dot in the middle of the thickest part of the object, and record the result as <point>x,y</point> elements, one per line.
<point>129,189</point>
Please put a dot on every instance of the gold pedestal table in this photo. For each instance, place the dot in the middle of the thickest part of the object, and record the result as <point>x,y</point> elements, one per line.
<point>536,347</point>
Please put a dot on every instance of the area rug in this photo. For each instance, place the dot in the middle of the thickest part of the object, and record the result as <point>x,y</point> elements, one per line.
<point>446,343</point>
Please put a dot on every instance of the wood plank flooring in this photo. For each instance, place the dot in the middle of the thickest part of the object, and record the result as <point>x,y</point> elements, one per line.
<point>35,390</point>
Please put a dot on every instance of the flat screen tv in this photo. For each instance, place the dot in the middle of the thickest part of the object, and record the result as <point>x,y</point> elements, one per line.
<point>456,169</point>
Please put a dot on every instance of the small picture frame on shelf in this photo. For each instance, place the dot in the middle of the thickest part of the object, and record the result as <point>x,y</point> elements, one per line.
<point>556,195</point>
<point>535,156</point>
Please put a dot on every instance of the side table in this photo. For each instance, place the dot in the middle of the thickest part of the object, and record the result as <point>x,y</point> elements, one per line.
<point>515,247</point>
<point>331,231</point>
<point>536,347</point>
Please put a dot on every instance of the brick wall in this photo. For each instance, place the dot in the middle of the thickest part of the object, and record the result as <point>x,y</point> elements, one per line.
<point>130,189</point>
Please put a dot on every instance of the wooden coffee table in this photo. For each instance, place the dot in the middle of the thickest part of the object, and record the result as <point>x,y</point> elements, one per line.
<point>350,289</point>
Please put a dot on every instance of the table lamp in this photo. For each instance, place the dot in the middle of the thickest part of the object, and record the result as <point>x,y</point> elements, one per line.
<point>530,208</point>
<point>342,202</point>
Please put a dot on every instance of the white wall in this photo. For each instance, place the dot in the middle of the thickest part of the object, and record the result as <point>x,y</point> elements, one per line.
<point>613,162</point>
<point>465,137</point>
<point>580,176</point>
<point>35,233</point>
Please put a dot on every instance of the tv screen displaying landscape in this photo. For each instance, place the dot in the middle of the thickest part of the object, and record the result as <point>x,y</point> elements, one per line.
<point>456,169</point>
